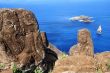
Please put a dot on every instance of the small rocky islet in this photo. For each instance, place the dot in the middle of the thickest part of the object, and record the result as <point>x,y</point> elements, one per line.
<point>24,45</point>
<point>82,18</point>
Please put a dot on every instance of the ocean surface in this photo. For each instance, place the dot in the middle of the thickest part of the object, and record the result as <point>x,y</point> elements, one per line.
<point>53,18</point>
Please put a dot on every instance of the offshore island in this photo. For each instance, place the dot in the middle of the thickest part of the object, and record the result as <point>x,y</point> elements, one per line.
<point>24,49</point>
<point>82,18</point>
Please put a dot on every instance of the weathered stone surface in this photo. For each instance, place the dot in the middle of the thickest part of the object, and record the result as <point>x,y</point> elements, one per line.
<point>84,64</point>
<point>55,49</point>
<point>84,45</point>
<point>44,39</point>
<point>82,58</point>
<point>22,43</point>
<point>20,39</point>
<point>103,60</point>
<point>76,64</point>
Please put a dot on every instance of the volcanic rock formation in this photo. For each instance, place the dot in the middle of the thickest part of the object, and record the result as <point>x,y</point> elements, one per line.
<point>21,41</point>
<point>82,58</point>
<point>84,45</point>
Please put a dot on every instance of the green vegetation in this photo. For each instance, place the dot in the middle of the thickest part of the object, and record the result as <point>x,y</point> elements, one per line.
<point>99,71</point>
<point>38,70</point>
<point>2,65</point>
<point>15,69</point>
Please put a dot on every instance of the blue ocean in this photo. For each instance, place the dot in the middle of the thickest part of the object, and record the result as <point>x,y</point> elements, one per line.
<point>53,18</point>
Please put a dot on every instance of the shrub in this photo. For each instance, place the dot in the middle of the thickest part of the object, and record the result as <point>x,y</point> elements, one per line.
<point>99,71</point>
<point>15,69</point>
<point>2,65</point>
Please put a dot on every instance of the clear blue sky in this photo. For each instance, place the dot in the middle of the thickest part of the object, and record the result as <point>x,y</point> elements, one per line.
<point>42,1</point>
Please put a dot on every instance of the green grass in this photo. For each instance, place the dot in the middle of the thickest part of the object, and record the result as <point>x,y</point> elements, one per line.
<point>15,69</point>
<point>38,70</point>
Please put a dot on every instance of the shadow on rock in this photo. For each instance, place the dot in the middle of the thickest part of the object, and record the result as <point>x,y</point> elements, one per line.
<point>49,60</point>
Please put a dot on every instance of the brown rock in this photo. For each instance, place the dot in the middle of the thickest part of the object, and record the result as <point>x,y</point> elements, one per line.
<point>7,71</point>
<point>103,60</point>
<point>55,49</point>
<point>82,58</point>
<point>76,64</point>
<point>22,43</point>
<point>44,39</point>
<point>84,64</point>
<point>20,39</point>
<point>84,45</point>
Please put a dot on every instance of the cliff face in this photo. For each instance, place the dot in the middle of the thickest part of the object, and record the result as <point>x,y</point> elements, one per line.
<point>19,37</point>
<point>21,41</point>
<point>19,32</point>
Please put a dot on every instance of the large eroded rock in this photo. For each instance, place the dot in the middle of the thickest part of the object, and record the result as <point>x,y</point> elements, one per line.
<point>84,45</point>
<point>20,39</point>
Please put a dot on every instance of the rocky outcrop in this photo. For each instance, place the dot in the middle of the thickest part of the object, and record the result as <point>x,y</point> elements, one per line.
<point>103,60</point>
<point>55,49</point>
<point>82,58</point>
<point>77,64</point>
<point>44,39</point>
<point>84,45</point>
<point>21,41</point>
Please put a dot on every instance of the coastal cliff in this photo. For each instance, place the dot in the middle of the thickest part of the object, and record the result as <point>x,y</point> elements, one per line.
<point>81,58</point>
<point>21,43</point>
